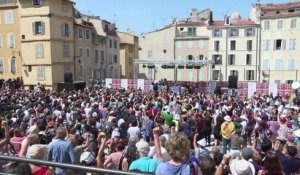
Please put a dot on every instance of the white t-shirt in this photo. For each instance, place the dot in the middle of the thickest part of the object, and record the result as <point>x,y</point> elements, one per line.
<point>134,131</point>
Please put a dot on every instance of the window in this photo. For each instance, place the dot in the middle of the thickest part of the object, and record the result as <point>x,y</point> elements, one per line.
<point>130,48</point>
<point>250,32</point>
<point>266,44</point>
<point>293,23</point>
<point>66,50</point>
<point>149,53</point>
<point>39,50</point>
<point>165,51</point>
<point>110,43</point>
<point>249,45</point>
<point>278,64</point>
<point>9,17</point>
<point>102,55</point>
<point>65,31</point>
<point>178,44</point>
<point>38,28</point>
<point>217,59</point>
<point>13,64</point>
<point>192,32</point>
<point>80,52</point>
<point>248,59</point>
<point>115,44</point>
<point>249,74</point>
<point>36,2</point>
<point>106,28</point>
<point>217,33</point>
<point>217,45</point>
<point>115,58</point>
<point>1,41</point>
<point>279,24</point>
<point>130,61</point>
<point>234,32</point>
<point>201,57</point>
<point>292,44</point>
<point>88,52</point>
<point>190,57</point>
<point>87,34</point>
<point>289,81</point>
<point>81,70</point>
<point>266,25</point>
<point>216,74</point>
<point>291,64</point>
<point>1,65</point>
<point>231,59</point>
<point>234,73</point>
<point>96,56</point>
<point>41,73</point>
<point>11,40</point>
<point>265,64</point>
<point>232,45</point>
<point>190,44</point>
<point>279,44</point>
<point>110,58</point>
<point>80,32</point>
<point>64,5</point>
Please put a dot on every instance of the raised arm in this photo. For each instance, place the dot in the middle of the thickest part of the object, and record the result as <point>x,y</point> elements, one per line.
<point>100,158</point>
<point>156,143</point>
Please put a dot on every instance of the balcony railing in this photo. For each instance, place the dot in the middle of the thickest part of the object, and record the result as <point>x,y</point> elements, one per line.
<point>187,34</point>
<point>5,3</point>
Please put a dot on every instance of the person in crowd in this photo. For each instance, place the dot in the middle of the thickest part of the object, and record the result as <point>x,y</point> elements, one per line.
<point>271,164</point>
<point>227,129</point>
<point>60,150</point>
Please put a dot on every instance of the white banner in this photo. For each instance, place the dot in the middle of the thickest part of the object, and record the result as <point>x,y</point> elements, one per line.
<point>273,89</point>
<point>141,84</point>
<point>251,89</point>
<point>124,83</point>
<point>108,82</point>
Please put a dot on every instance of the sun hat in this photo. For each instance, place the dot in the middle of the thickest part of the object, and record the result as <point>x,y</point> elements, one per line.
<point>227,118</point>
<point>241,167</point>
<point>38,151</point>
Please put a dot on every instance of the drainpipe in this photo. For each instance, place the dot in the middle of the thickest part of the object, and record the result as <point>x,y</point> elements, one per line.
<point>226,55</point>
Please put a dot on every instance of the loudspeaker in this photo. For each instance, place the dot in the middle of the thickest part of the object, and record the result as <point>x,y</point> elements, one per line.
<point>68,77</point>
<point>232,82</point>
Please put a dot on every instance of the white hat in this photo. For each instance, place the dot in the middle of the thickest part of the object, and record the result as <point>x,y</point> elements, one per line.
<point>238,167</point>
<point>297,133</point>
<point>202,142</point>
<point>38,151</point>
<point>227,118</point>
<point>115,133</point>
<point>87,157</point>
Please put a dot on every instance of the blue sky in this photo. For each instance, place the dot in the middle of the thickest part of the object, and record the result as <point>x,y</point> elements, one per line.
<point>146,15</point>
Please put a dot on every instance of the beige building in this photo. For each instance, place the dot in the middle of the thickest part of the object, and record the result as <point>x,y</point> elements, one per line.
<point>280,36</point>
<point>47,41</point>
<point>155,46</point>
<point>10,48</point>
<point>234,47</point>
<point>129,51</point>
<point>108,48</point>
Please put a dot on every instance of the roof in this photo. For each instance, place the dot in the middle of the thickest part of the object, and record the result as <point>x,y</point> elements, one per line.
<point>191,24</point>
<point>98,26</point>
<point>237,23</point>
<point>283,6</point>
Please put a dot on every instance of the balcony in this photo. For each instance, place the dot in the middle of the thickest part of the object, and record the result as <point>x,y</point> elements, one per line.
<point>8,3</point>
<point>188,35</point>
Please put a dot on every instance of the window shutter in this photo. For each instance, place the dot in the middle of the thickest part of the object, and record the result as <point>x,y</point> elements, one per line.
<point>33,28</point>
<point>253,31</point>
<point>43,27</point>
<point>41,2</point>
<point>62,29</point>
<point>42,50</point>
<point>283,44</point>
<point>246,34</point>
<point>274,45</point>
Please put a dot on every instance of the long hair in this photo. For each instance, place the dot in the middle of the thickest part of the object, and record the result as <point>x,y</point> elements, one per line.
<point>272,164</point>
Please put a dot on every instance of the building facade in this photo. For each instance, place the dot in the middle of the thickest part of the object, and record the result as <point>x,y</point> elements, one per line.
<point>47,41</point>
<point>234,48</point>
<point>10,48</point>
<point>280,36</point>
<point>129,52</point>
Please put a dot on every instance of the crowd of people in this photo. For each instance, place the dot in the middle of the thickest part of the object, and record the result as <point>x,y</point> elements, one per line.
<point>158,132</point>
